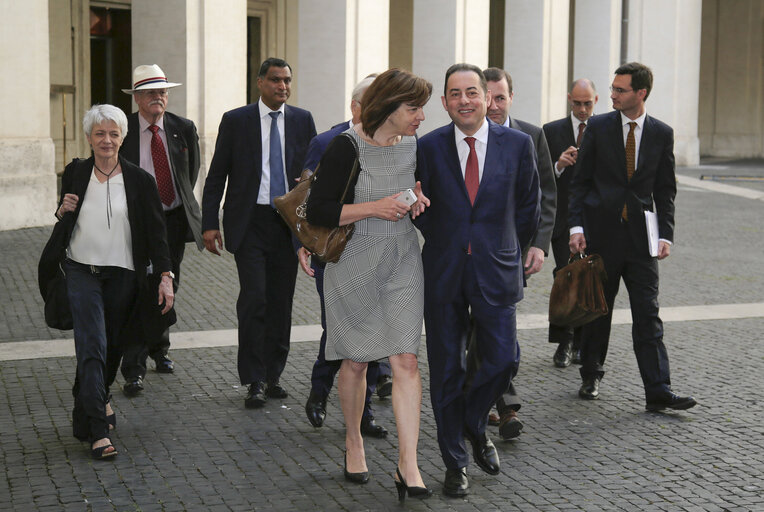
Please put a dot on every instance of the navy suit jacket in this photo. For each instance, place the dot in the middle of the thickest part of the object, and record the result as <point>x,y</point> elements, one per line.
<point>559,135</point>
<point>319,144</point>
<point>600,186</point>
<point>502,221</point>
<point>238,158</point>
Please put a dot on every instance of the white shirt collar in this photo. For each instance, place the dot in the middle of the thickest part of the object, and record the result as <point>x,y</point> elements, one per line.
<point>640,120</point>
<point>481,135</point>
<point>265,110</point>
<point>576,121</point>
<point>144,125</point>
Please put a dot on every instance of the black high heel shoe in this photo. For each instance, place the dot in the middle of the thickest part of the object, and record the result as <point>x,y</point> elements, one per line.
<point>413,492</point>
<point>356,478</point>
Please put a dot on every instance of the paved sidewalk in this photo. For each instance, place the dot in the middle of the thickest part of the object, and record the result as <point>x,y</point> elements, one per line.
<point>188,444</point>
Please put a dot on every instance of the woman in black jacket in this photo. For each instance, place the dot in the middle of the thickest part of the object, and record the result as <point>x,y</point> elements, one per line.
<point>115,229</point>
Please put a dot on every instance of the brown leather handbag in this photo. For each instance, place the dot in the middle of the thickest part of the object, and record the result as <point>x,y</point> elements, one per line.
<point>578,296</point>
<point>325,243</point>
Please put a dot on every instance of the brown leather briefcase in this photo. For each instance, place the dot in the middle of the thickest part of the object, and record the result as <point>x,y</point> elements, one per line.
<point>578,296</point>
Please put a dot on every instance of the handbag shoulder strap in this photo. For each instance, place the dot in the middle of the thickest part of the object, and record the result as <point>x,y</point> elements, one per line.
<point>354,171</point>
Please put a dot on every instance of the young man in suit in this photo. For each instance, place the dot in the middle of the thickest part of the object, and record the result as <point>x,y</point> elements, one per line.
<point>322,375</point>
<point>625,166</point>
<point>167,146</point>
<point>564,137</point>
<point>260,151</point>
<point>483,186</point>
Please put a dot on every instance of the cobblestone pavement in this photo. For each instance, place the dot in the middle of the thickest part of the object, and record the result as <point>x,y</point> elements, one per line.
<point>188,444</point>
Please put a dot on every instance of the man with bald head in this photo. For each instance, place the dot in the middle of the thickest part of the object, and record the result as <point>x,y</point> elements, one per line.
<point>564,137</point>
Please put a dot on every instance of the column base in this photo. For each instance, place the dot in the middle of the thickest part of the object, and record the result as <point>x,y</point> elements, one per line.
<point>28,182</point>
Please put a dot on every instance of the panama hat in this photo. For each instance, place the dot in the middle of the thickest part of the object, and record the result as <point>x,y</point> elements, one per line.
<point>149,77</point>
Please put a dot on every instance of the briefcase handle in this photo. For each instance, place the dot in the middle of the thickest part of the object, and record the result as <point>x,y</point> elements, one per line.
<point>576,256</point>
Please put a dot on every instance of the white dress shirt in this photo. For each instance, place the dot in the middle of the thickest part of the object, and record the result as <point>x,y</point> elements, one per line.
<point>463,149</point>
<point>264,194</point>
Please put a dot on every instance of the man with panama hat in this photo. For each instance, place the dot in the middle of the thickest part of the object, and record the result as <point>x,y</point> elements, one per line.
<point>167,146</point>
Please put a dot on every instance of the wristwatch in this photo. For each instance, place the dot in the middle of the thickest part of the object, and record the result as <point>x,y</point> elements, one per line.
<point>169,274</point>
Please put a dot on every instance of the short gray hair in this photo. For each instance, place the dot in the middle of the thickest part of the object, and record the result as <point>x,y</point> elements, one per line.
<point>361,87</point>
<point>100,113</point>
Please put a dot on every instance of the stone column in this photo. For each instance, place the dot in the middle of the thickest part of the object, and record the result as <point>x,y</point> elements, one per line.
<point>331,61</point>
<point>27,153</point>
<point>202,45</point>
<point>666,37</point>
<point>536,55</point>
<point>597,46</point>
<point>447,32</point>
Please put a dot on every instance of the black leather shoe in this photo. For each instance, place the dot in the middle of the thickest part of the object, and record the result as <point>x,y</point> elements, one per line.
<point>671,401</point>
<point>384,386</point>
<point>370,428</point>
<point>164,364</point>
<point>590,388</point>
<point>456,484</point>
<point>576,359</point>
<point>361,477</point>
<point>563,354</point>
<point>274,390</point>
<point>133,386</point>
<point>315,409</point>
<point>509,426</point>
<point>255,396</point>
<point>484,452</point>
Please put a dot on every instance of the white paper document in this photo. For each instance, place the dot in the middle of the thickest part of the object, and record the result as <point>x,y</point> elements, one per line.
<point>651,221</point>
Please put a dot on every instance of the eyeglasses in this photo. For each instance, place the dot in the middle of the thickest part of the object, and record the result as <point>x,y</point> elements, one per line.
<point>618,90</point>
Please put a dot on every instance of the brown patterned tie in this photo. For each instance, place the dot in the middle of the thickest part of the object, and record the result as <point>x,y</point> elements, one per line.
<point>631,150</point>
<point>161,167</point>
<point>581,128</point>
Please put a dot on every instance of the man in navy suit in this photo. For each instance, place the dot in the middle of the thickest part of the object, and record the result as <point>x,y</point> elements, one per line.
<point>323,373</point>
<point>176,137</point>
<point>260,151</point>
<point>564,137</point>
<point>625,167</point>
<point>483,185</point>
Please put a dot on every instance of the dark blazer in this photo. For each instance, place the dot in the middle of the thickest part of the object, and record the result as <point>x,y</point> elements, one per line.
<point>559,135</point>
<point>320,142</point>
<point>546,179</point>
<point>144,212</point>
<point>500,223</point>
<point>600,186</point>
<point>238,159</point>
<point>183,142</point>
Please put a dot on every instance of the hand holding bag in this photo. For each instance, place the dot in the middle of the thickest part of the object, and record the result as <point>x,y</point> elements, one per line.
<point>578,296</point>
<point>326,243</point>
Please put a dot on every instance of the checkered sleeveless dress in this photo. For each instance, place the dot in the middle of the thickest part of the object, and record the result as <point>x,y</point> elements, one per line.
<point>374,295</point>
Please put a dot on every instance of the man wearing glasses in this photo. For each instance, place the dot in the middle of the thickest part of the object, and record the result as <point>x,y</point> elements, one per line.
<point>625,167</point>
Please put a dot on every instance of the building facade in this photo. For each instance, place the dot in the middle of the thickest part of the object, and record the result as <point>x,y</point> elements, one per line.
<point>62,56</point>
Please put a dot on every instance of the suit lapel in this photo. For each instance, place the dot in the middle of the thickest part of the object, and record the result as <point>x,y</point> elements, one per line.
<point>492,153</point>
<point>645,143</point>
<point>617,145</point>
<point>289,134</point>
<point>255,140</point>
<point>452,160</point>
<point>569,136</point>
<point>131,148</point>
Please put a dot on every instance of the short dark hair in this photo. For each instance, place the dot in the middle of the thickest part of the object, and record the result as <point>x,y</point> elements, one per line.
<point>388,92</point>
<point>464,67</point>
<point>272,62</point>
<point>496,74</point>
<point>641,76</point>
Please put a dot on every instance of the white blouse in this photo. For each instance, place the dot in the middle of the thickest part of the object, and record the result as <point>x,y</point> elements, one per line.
<point>96,239</point>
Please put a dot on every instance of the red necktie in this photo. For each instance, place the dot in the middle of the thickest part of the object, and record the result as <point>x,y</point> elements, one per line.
<point>161,167</point>
<point>581,128</point>
<point>471,172</point>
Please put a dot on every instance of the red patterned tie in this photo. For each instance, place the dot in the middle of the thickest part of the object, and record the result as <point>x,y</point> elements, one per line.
<point>471,176</point>
<point>161,167</point>
<point>581,128</point>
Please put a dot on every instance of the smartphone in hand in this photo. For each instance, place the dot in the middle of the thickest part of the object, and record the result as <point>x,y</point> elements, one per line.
<point>407,197</point>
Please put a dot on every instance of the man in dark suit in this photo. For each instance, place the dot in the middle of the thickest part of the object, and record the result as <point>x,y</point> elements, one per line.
<point>323,373</point>
<point>260,151</point>
<point>625,166</point>
<point>483,186</point>
<point>167,146</point>
<point>499,84</point>
<point>564,137</point>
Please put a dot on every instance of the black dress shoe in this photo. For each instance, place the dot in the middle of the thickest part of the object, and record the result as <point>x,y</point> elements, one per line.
<point>563,354</point>
<point>590,388</point>
<point>133,386</point>
<point>384,386</point>
<point>509,426</point>
<point>484,452</point>
<point>164,364</point>
<point>315,409</point>
<point>255,396</point>
<point>456,484</point>
<point>370,428</point>
<point>671,401</point>
<point>361,477</point>
<point>274,390</point>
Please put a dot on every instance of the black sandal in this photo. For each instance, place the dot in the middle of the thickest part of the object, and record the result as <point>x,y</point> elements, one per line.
<point>100,453</point>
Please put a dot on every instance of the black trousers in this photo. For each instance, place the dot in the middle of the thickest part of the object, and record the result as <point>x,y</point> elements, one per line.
<point>267,267</point>
<point>560,333</point>
<point>151,331</point>
<point>623,260</point>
